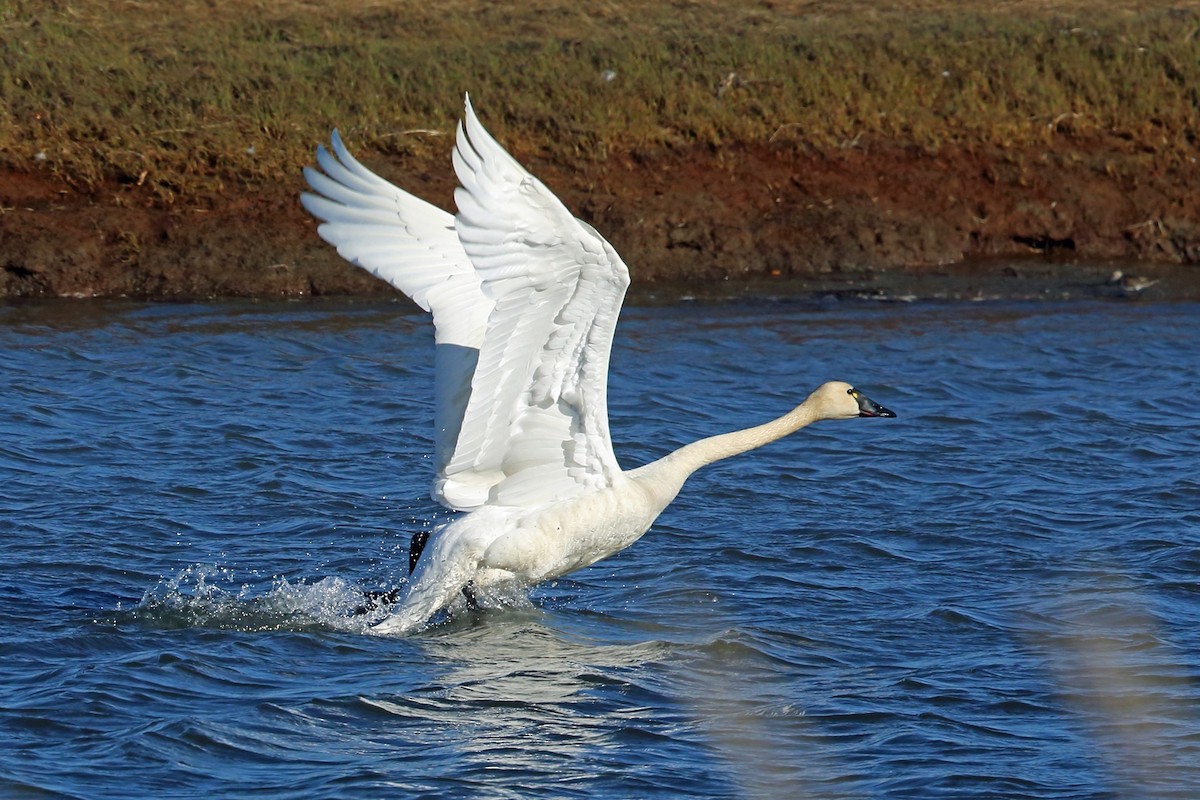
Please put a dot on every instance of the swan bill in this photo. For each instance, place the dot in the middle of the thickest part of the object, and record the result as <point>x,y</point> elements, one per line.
<point>868,407</point>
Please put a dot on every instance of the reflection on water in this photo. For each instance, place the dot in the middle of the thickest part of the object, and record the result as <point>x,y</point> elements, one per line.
<point>522,696</point>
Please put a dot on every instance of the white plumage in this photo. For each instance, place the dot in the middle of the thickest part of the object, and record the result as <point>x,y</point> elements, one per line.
<point>524,300</point>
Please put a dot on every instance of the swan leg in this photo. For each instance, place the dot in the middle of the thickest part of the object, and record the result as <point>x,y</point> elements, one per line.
<point>445,566</point>
<point>421,600</point>
<point>375,599</point>
<point>416,546</point>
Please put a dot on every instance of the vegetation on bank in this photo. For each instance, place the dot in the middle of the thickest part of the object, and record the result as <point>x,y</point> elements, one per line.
<point>191,98</point>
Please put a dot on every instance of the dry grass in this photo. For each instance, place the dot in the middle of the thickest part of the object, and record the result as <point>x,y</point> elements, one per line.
<point>190,98</point>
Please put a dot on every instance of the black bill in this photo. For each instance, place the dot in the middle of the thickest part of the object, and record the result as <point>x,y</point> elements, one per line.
<point>868,407</point>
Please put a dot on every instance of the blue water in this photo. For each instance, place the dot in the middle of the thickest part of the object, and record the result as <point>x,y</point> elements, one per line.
<point>996,594</point>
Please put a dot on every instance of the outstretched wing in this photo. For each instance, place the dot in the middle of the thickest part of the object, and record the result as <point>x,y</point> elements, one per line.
<point>408,242</point>
<point>536,426</point>
<point>412,245</point>
<point>524,297</point>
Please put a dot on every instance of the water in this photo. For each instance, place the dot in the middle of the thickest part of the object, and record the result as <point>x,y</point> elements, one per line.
<point>995,595</point>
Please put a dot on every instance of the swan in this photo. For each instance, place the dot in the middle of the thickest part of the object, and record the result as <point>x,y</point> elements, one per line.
<point>524,299</point>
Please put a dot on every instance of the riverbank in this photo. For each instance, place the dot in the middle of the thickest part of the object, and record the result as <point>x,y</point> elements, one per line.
<point>872,146</point>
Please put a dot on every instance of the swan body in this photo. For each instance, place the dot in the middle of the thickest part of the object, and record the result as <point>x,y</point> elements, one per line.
<point>524,299</point>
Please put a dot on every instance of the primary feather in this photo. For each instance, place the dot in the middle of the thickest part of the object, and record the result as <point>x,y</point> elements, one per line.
<point>524,300</point>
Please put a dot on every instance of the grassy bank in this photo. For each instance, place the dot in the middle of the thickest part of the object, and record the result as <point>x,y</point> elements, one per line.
<point>189,99</point>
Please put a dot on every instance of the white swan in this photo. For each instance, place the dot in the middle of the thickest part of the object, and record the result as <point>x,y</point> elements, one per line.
<point>524,300</point>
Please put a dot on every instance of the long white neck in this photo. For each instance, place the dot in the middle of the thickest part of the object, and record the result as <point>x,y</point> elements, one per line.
<point>665,477</point>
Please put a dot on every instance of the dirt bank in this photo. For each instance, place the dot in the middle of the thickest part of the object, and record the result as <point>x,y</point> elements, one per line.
<point>861,218</point>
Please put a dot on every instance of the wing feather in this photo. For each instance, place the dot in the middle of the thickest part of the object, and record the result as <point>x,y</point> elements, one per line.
<point>524,298</point>
<point>412,245</point>
<point>537,420</point>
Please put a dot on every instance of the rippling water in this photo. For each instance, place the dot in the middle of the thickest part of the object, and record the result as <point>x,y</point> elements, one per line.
<point>995,595</point>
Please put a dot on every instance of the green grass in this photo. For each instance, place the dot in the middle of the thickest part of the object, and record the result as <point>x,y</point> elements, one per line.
<point>190,99</point>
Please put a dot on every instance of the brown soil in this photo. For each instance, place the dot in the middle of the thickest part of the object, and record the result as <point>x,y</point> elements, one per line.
<point>869,219</point>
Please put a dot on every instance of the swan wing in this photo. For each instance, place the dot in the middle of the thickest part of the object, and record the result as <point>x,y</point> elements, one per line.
<point>536,425</point>
<point>412,245</point>
<point>400,238</point>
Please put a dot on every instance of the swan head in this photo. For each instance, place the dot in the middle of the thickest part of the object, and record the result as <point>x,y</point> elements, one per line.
<point>840,400</point>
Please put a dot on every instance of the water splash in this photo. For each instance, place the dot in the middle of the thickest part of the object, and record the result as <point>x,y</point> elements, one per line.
<point>208,596</point>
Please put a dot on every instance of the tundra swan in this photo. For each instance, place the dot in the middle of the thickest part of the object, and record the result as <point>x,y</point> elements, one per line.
<point>524,299</point>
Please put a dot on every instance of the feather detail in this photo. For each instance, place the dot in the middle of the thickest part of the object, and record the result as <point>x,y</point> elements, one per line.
<point>524,300</point>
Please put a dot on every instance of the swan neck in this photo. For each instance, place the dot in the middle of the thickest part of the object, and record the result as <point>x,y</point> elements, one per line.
<point>722,446</point>
<point>669,472</point>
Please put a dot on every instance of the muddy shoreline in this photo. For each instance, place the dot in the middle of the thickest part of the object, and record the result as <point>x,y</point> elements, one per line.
<point>870,220</point>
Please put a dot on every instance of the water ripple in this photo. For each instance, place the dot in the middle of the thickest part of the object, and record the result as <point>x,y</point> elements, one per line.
<point>995,595</point>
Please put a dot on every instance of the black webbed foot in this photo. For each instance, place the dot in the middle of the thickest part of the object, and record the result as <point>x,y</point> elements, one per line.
<point>376,599</point>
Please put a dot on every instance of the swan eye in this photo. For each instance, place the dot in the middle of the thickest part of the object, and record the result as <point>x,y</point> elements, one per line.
<point>852,392</point>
